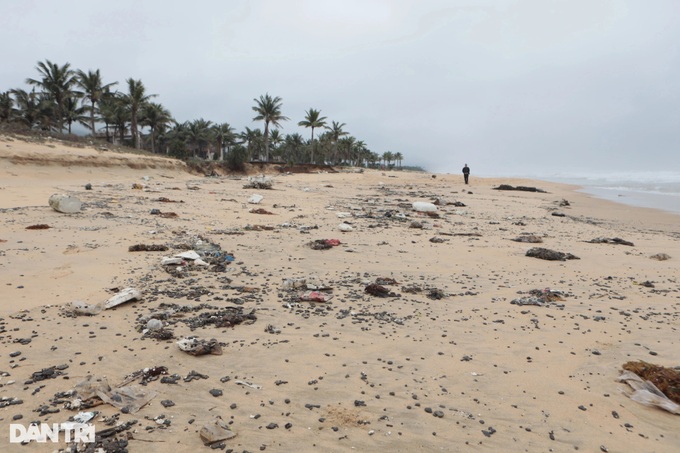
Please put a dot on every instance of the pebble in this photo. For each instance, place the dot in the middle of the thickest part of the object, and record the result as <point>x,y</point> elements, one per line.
<point>216,392</point>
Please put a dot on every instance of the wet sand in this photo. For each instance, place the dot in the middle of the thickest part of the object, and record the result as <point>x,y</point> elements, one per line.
<point>445,362</point>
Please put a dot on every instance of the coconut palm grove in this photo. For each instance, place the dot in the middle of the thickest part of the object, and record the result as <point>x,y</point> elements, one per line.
<point>127,114</point>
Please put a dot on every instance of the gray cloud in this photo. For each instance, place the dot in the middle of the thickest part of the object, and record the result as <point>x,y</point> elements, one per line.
<point>526,86</point>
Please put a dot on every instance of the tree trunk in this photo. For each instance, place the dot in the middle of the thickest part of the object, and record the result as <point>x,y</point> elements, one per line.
<point>266,141</point>
<point>133,128</point>
<point>92,119</point>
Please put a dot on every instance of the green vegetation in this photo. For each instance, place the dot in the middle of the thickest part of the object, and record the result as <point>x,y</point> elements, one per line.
<point>61,96</point>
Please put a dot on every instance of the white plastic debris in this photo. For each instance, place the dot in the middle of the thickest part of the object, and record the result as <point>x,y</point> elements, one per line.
<point>154,324</point>
<point>249,384</point>
<point>123,296</point>
<point>645,392</point>
<point>84,417</point>
<point>422,206</point>
<point>255,199</point>
<point>344,215</point>
<point>345,227</point>
<point>65,204</point>
<point>190,255</point>
<point>82,308</point>
<point>167,261</point>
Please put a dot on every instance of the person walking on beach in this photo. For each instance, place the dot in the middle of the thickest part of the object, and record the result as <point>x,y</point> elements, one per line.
<point>466,173</point>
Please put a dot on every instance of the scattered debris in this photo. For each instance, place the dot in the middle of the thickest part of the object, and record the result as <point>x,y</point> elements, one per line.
<point>271,329</point>
<point>324,244</point>
<point>248,384</point>
<point>260,211</point>
<point>259,182</point>
<point>660,257</point>
<point>147,248</point>
<point>653,385</point>
<point>550,255</point>
<point>65,204</point>
<point>196,346</point>
<point>379,291</point>
<point>40,226</point>
<point>255,199</point>
<point>540,298</point>
<point>528,238</point>
<point>126,295</point>
<point>520,188</point>
<point>216,431</point>
<point>603,240</point>
<point>79,308</point>
<point>422,206</point>
<point>315,296</point>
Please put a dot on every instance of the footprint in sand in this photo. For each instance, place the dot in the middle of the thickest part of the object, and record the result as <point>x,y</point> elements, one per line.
<point>61,271</point>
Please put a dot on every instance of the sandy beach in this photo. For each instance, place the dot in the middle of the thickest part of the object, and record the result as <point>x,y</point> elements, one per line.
<point>411,341</point>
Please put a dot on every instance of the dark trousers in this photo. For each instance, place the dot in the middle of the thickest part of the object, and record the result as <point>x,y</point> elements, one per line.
<point>466,176</point>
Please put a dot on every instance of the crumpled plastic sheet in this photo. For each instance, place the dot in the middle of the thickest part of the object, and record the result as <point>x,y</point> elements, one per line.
<point>644,392</point>
<point>128,399</point>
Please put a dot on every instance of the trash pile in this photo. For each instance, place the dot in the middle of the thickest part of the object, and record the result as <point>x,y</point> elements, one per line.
<point>324,244</point>
<point>541,298</point>
<point>259,182</point>
<point>203,253</point>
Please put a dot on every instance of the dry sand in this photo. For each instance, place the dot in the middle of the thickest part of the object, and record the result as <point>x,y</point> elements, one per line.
<point>359,372</point>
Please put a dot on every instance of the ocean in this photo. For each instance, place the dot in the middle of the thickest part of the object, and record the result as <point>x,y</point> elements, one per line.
<point>658,190</point>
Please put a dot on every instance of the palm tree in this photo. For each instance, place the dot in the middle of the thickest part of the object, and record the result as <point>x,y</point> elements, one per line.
<point>224,136</point>
<point>114,111</point>
<point>292,146</point>
<point>92,89</point>
<point>275,140</point>
<point>313,120</point>
<point>57,82</point>
<point>336,133</point>
<point>135,98</point>
<point>198,135</point>
<point>398,157</point>
<point>175,140</point>
<point>74,112</point>
<point>373,158</point>
<point>268,110</point>
<point>346,148</point>
<point>6,107</point>
<point>388,157</point>
<point>252,138</point>
<point>33,109</point>
<point>111,109</point>
<point>157,118</point>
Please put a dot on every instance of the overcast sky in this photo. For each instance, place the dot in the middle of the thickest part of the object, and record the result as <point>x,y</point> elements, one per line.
<point>525,87</point>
